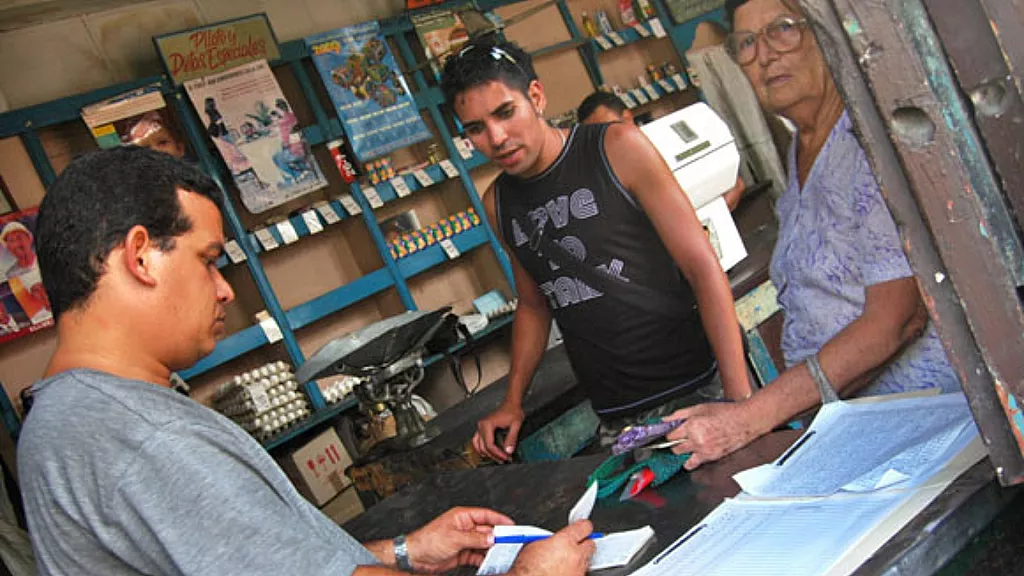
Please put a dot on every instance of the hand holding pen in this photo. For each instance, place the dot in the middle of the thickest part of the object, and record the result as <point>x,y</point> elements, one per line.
<point>567,552</point>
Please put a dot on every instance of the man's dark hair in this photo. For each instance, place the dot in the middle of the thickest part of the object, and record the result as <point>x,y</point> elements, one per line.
<point>99,197</point>
<point>487,59</point>
<point>596,100</point>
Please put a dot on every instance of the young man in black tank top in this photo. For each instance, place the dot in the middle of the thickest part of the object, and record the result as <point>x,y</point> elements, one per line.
<point>621,198</point>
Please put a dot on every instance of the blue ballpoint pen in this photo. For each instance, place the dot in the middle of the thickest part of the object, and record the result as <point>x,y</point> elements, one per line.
<point>535,538</point>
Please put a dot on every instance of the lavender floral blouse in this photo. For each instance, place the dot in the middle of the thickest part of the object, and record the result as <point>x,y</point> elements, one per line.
<point>836,237</point>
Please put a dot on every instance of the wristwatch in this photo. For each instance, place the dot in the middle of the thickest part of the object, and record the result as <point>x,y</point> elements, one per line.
<point>402,554</point>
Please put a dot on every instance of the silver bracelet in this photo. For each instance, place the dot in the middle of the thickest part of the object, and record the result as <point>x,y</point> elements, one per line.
<point>825,388</point>
<point>402,554</point>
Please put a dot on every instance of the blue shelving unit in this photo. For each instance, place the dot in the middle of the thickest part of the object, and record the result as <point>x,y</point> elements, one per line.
<point>27,122</point>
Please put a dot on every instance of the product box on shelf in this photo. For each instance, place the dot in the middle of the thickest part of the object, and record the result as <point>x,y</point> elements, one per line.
<point>318,468</point>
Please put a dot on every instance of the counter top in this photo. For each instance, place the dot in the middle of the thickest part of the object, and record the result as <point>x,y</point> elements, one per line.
<point>541,494</point>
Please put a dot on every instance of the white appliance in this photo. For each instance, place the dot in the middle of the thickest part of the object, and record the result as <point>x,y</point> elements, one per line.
<point>700,150</point>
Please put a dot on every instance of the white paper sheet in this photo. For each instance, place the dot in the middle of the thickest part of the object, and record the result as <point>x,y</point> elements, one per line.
<point>722,232</point>
<point>585,505</point>
<point>854,447</point>
<point>744,537</point>
<point>619,548</point>
<point>610,551</point>
<point>615,549</point>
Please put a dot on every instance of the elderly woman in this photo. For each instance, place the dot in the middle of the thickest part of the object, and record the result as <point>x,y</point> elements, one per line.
<point>854,321</point>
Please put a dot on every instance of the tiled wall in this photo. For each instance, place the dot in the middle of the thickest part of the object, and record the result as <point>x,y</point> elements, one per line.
<point>73,55</point>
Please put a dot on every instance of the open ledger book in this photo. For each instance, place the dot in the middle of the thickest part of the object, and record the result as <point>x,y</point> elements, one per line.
<point>612,549</point>
<point>853,480</point>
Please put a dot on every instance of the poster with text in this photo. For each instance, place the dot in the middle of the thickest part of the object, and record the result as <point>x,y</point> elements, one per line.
<point>257,134</point>
<point>24,304</point>
<point>214,48</point>
<point>371,97</point>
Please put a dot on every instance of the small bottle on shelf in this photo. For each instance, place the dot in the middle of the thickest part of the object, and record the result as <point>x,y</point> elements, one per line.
<point>646,9</point>
<point>434,153</point>
<point>653,73</point>
<point>603,22</point>
<point>589,28</point>
<point>626,13</point>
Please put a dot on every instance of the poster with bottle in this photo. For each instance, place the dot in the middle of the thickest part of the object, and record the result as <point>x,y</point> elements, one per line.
<point>257,134</point>
<point>370,96</point>
<point>441,32</point>
<point>24,304</point>
<point>137,117</point>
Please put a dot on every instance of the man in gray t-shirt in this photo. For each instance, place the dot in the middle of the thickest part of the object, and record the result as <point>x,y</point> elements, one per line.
<point>119,474</point>
<point>116,470</point>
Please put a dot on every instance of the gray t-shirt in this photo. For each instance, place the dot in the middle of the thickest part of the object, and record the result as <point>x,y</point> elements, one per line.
<point>127,477</point>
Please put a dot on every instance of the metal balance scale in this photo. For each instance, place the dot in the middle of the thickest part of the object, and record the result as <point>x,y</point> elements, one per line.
<point>387,358</point>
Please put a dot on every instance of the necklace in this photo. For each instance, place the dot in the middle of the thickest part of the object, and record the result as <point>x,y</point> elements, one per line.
<point>561,137</point>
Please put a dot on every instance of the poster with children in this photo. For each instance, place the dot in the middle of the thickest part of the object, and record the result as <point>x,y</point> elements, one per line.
<point>24,305</point>
<point>371,97</point>
<point>257,134</point>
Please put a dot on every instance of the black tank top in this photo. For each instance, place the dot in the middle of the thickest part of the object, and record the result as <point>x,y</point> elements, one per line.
<point>628,359</point>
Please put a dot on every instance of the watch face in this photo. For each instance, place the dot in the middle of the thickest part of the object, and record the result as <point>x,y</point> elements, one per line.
<point>402,554</point>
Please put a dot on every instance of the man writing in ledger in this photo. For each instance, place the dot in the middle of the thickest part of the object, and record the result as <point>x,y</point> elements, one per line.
<point>608,198</point>
<point>119,474</point>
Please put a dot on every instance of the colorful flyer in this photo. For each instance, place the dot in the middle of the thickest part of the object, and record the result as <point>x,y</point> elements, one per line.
<point>137,117</point>
<point>24,305</point>
<point>257,134</point>
<point>441,32</point>
<point>372,98</point>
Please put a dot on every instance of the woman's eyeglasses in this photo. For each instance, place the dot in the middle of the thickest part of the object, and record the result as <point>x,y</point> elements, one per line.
<point>783,34</point>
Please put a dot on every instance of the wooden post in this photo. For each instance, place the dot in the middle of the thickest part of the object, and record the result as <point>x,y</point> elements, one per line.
<point>936,176</point>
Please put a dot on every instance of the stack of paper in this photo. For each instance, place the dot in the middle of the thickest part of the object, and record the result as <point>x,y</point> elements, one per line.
<point>863,447</point>
<point>858,474</point>
<point>612,549</point>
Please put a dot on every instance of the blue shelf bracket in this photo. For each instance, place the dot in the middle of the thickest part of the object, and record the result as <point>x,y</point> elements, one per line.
<point>682,35</point>
<point>322,120</point>
<point>586,49</point>
<point>382,246</point>
<point>456,158</point>
<point>40,160</point>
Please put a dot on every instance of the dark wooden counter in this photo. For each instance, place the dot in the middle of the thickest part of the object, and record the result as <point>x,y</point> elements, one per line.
<point>541,494</point>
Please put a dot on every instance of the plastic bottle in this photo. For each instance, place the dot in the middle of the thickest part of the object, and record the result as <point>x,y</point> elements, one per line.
<point>589,28</point>
<point>646,9</point>
<point>626,13</point>
<point>603,22</point>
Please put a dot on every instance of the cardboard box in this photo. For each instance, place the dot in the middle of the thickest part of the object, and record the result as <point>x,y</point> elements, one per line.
<point>318,468</point>
<point>344,507</point>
